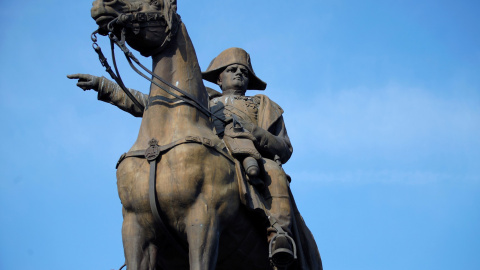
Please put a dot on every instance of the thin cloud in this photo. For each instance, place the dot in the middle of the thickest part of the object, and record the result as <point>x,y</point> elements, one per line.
<point>394,135</point>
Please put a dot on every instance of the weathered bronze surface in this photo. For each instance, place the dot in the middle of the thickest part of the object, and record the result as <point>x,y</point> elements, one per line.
<point>202,187</point>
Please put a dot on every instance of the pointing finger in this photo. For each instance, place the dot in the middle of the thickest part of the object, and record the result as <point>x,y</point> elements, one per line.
<point>78,76</point>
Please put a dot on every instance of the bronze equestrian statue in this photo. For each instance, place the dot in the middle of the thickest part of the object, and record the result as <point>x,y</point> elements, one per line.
<point>202,187</point>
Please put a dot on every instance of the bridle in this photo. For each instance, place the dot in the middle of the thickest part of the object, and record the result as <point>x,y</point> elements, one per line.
<point>135,22</point>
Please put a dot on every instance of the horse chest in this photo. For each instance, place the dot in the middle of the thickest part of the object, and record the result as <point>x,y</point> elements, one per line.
<point>178,184</point>
<point>132,184</point>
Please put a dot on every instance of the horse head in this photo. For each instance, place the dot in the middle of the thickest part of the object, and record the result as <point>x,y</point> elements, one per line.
<point>146,25</point>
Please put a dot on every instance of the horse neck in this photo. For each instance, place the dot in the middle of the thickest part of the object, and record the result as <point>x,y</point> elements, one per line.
<point>178,65</point>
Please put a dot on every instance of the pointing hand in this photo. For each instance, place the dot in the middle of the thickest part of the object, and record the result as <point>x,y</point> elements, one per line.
<point>86,81</point>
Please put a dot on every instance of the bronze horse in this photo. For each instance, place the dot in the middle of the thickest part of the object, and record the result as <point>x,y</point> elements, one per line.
<point>201,223</point>
<point>196,187</point>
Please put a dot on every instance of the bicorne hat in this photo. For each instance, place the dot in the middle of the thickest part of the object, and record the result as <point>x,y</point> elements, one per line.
<point>229,57</point>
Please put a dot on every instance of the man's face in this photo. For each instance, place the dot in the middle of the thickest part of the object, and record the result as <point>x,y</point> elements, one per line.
<point>234,77</point>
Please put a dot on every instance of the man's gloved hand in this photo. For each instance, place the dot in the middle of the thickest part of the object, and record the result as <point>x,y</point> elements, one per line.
<point>86,81</point>
<point>258,133</point>
<point>246,124</point>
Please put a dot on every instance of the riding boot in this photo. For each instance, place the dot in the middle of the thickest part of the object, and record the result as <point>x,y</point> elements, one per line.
<point>280,214</point>
<point>281,244</point>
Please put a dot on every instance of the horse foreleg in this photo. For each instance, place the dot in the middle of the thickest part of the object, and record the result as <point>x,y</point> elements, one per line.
<point>140,253</point>
<point>203,237</point>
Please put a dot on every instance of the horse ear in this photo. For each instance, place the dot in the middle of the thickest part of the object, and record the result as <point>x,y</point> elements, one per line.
<point>173,5</point>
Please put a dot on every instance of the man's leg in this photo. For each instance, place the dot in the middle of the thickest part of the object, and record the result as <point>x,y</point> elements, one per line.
<point>276,195</point>
<point>279,207</point>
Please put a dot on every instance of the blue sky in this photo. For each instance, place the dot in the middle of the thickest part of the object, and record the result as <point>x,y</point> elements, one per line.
<point>381,100</point>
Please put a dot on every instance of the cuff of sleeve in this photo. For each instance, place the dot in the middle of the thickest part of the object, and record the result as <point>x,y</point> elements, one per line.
<point>102,87</point>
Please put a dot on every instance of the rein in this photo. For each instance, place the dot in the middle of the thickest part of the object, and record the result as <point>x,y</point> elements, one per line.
<point>135,22</point>
<point>108,69</point>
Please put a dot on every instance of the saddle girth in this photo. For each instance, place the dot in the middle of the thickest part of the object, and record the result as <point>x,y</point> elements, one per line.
<point>152,154</point>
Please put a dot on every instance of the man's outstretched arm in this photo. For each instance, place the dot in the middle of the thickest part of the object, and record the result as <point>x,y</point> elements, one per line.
<point>110,92</point>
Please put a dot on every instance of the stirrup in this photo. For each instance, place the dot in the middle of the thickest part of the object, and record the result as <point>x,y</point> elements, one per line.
<point>282,257</point>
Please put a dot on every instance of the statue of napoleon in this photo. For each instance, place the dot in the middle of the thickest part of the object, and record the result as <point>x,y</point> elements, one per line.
<point>262,144</point>
<point>254,132</point>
